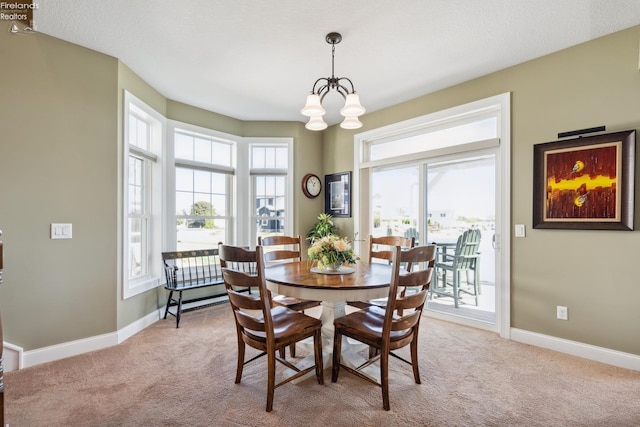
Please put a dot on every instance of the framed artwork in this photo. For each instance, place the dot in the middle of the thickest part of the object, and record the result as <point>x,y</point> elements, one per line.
<point>337,194</point>
<point>585,183</point>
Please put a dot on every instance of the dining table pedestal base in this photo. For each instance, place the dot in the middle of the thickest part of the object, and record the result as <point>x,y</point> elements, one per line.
<point>350,348</point>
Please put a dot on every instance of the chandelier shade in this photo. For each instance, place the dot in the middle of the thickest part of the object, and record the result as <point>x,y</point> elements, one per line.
<point>351,123</point>
<point>352,108</point>
<point>313,108</point>
<point>316,123</point>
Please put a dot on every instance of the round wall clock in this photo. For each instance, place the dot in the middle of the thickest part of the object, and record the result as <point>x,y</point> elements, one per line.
<point>311,185</point>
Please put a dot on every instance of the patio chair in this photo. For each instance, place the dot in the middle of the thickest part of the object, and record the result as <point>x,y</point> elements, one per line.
<point>450,266</point>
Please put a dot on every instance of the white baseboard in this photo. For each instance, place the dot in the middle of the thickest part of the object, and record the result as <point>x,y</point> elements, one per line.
<point>11,357</point>
<point>586,351</point>
<point>16,358</point>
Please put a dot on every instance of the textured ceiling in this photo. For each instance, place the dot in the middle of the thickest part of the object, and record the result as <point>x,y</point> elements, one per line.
<point>257,60</point>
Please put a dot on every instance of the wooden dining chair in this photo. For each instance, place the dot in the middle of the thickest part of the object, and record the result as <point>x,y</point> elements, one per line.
<point>382,328</point>
<point>380,250</point>
<point>245,260</point>
<point>285,249</point>
<point>267,327</point>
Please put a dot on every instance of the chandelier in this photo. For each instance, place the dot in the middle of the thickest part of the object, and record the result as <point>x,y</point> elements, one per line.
<point>352,108</point>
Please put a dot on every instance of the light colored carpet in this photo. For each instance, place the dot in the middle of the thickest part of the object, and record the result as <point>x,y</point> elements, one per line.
<point>165,376</point>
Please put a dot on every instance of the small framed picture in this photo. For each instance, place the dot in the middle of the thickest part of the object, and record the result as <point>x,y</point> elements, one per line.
<point>337,195</point>
<point>585,183</point>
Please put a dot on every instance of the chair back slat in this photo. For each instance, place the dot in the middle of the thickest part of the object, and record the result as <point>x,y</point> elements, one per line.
<point>281,248</point>
<point>381,248</point>
<point>237,258</point>
<point>249,322</point>
<point>467,248</point>
<point>412,301</point>
<point>418,278</point>
<point>405,322</point>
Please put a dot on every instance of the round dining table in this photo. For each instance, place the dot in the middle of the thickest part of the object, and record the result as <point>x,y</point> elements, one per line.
<point>358,282</point>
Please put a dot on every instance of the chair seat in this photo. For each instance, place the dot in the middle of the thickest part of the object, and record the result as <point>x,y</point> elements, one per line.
<point>285,323</point>
<point>363,305</point>
<point>296,304</point>
<point>368,324</point>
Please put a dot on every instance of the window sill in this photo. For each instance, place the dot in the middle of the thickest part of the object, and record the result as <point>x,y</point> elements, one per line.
<point>138,286</point>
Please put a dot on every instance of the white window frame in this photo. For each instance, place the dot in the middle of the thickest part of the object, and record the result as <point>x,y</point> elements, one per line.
<point>236,142</point>
<point>154,201</point>
<point>289,185</point>
<point>498,103</point>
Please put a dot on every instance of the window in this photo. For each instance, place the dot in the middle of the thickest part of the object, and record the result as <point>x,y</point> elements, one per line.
<point>270,181</point>
<point>203,176</point>
<point>143,142</point>
<point>442,135</point>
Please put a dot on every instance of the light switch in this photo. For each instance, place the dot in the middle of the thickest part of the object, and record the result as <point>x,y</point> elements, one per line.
<point>61,231</point>
<point>520,230</point>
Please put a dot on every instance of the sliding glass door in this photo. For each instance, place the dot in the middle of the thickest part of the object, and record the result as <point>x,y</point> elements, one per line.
<point>460,197</point>
<point>458,194</point>
<point>436,178</point>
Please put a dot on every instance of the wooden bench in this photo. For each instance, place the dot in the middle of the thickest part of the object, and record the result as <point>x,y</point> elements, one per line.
<point>189,270</point>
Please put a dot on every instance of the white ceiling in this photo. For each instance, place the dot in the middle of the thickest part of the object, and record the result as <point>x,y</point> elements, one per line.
<point>257,60</point>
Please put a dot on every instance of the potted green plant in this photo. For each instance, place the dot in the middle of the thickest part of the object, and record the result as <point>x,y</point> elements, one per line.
<point>324,227</point>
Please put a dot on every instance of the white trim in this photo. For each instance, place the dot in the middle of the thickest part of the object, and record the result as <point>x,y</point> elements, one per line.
<point>68,349</point>
<point>460,320</point>
<point>49,354</point>
<point>132,287</point>
<point>251,228</point>
<point>574,348</point>
<point>12,357</point>
<point>503,217</point>
<point>439,152</point>
<point>137,326</point>
<point>52,353</point>
<point>499,103</point>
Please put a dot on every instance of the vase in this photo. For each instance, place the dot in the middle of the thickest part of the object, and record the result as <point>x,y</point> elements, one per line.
<point>332,267</point>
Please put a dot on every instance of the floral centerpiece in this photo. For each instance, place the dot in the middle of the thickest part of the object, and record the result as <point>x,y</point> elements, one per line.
<point>331,252</point>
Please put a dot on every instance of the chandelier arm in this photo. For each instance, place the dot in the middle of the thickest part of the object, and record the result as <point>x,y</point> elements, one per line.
<point>313,89</point>
<point>342,90</point>
<point>322,91</point>
<point>353,90</point>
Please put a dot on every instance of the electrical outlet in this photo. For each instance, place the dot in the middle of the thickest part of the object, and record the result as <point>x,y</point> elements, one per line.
<point>562,312</point>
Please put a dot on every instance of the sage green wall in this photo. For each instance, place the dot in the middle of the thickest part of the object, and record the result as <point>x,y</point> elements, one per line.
<point>58,133</point>
<point>593,273</point>
<point>60,127</point>
<point>60,161</point>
